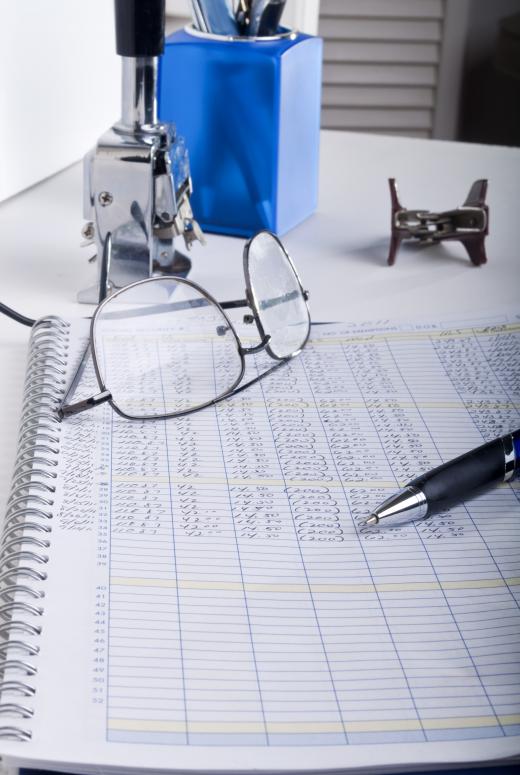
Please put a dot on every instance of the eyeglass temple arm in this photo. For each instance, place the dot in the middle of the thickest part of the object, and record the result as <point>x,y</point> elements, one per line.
<point>66,409</point>
<point>157,309</point>
<point>235,304</point>
<point>100,398</point>
<point>80,406</point>
<point>289,296</point>
<point>251,382</point>
<point>11,313</point>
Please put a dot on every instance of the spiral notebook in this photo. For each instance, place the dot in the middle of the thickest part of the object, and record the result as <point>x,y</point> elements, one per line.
<point>201,594</point>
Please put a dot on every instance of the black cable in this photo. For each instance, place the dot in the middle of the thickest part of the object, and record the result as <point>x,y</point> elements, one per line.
<point>16,316</point>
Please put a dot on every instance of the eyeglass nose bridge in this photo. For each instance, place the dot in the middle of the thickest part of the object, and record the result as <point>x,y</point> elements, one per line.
<point>257,348</point>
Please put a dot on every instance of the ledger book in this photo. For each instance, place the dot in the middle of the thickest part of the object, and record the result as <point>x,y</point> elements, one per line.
<point>201,593</point>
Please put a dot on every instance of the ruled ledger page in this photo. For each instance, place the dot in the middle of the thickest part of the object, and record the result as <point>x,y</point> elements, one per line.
<point>228,609</point>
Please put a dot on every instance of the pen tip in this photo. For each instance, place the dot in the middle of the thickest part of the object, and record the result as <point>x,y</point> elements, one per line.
<point>373,519</point>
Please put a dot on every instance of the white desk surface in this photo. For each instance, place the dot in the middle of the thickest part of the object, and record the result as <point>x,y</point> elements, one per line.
<point>340,251</point>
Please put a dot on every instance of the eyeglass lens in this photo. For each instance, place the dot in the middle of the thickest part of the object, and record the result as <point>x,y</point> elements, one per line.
<point>276,288</point>
<point>163,347</point>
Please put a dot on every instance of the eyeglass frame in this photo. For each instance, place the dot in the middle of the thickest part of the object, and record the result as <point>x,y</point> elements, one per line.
<point>105,395</point>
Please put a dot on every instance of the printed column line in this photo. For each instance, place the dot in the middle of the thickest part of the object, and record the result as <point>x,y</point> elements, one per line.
<point>244,595</point>
<point>421,539</point>
<point>308,584</point>
<point>174,548</point>
<point>360,542</point>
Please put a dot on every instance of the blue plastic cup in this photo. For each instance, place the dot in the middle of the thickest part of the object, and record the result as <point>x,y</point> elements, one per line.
<point>249,110</point>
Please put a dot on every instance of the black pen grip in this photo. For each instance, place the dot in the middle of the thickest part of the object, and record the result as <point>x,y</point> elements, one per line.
<point>464,477</point>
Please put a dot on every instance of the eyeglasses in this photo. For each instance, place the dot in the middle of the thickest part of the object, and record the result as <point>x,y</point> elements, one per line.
<point>164,347</point>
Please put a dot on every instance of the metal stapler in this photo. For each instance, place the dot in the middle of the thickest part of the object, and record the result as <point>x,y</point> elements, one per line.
<point>137,182</point>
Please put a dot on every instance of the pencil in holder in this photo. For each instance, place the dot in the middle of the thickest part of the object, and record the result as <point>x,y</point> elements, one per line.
<point>249,110</point>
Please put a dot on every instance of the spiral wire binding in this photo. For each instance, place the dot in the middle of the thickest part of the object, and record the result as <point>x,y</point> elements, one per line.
<point>27,528</point>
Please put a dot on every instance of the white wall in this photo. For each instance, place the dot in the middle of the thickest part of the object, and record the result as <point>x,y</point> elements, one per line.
<point>303,15</point>
<point>59,85</point>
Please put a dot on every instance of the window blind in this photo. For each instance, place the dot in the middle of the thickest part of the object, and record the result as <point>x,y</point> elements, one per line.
<point>382,64</point>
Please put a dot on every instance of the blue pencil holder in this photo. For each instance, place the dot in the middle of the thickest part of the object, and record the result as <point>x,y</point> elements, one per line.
<point>249,111</point>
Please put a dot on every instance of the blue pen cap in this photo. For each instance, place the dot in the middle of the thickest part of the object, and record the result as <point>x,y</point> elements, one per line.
<point>249,110</point>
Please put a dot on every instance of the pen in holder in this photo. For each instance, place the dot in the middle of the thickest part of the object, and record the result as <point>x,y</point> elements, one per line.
<point>249,109</point>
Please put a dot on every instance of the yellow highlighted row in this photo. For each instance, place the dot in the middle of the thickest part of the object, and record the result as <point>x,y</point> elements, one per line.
<point>310,727</point>
<point>456,333</point>
<point>231,586</point>
<point>499,329</point>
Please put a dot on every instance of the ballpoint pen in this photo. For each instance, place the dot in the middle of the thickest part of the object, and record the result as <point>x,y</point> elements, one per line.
<point>242,15</point>
<point>256,11</point>
<point>459,479</point>
<point>270,19</point>
<point>217,18</point>
<point>198,18</point>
